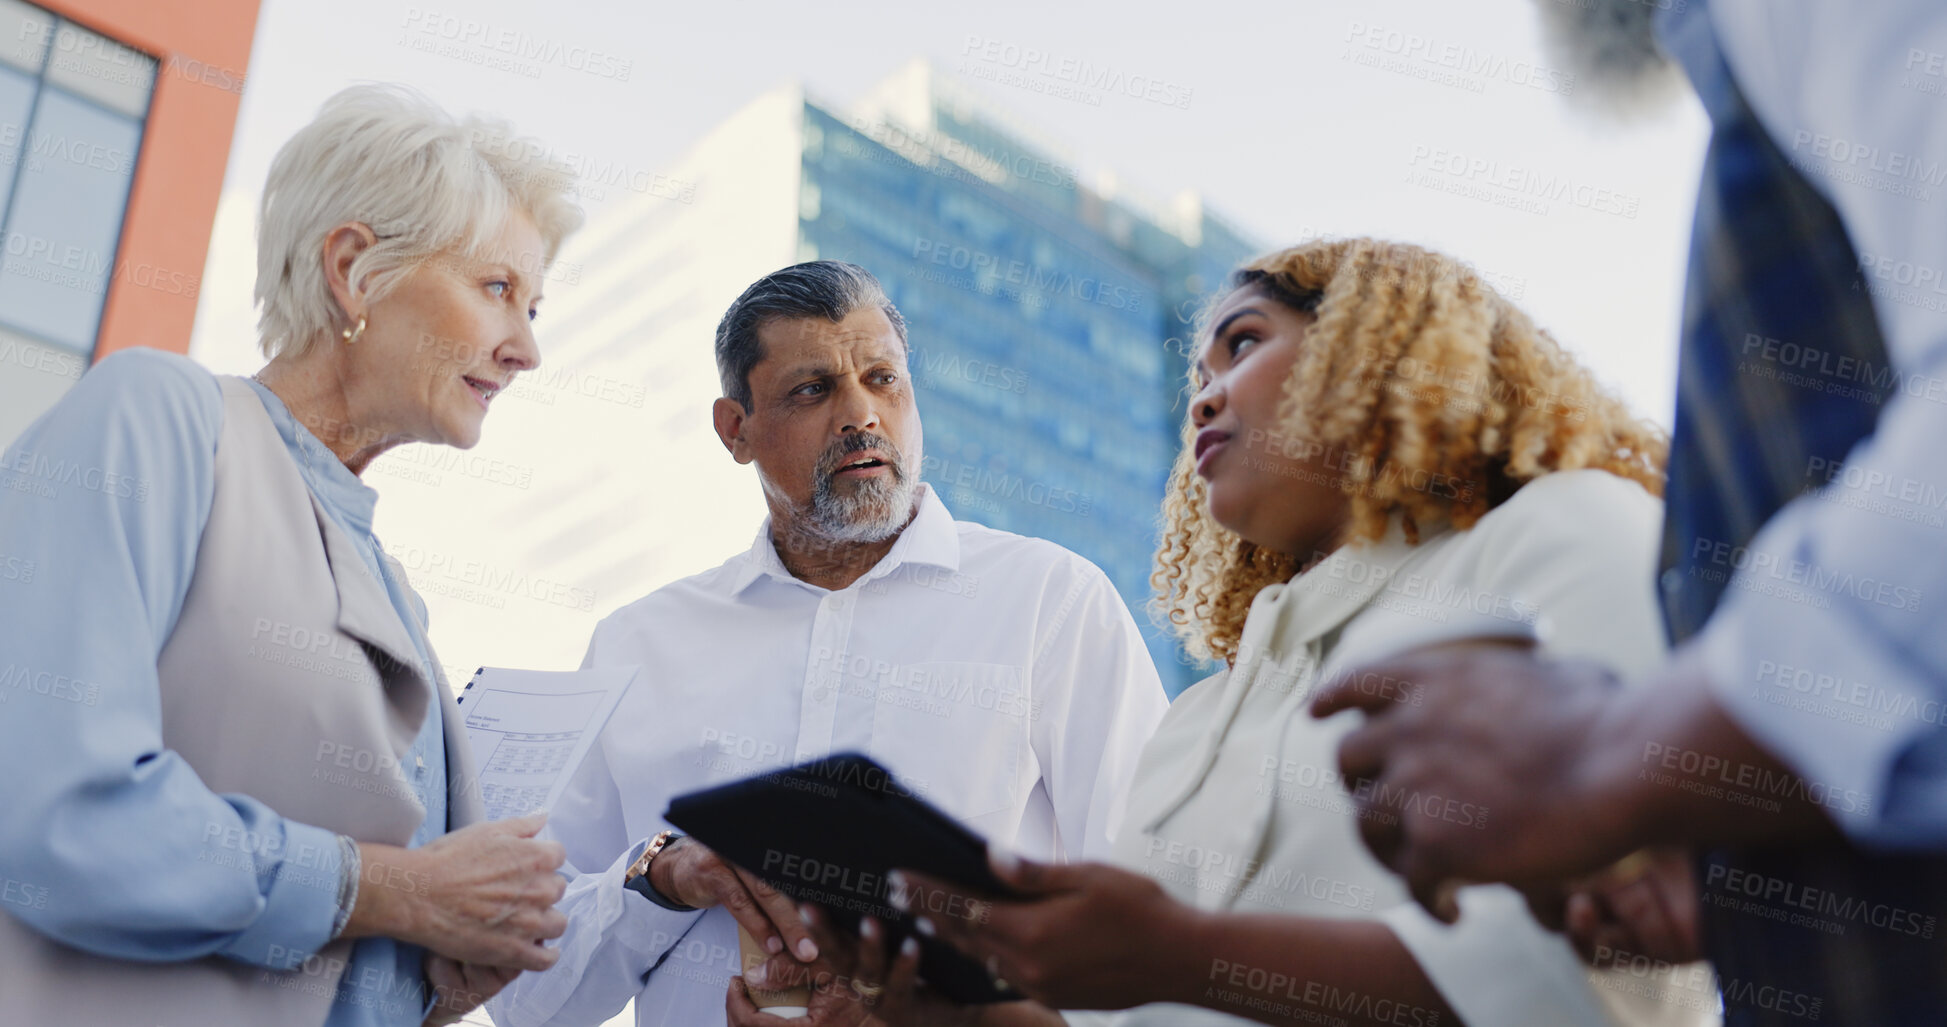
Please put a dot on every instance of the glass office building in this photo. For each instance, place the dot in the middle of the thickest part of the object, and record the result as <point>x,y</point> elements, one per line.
<point>1046,321</point>
<point>115,123</point>
<point>72,108</point>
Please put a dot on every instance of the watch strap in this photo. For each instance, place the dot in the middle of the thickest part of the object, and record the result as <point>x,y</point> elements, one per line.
<point>637,879</point>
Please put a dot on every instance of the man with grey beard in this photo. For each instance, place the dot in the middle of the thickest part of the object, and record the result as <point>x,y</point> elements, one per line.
<point>999,677</point>
<point>1784,779</point>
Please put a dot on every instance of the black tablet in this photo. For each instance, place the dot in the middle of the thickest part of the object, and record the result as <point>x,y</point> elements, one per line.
<point>828,832</point>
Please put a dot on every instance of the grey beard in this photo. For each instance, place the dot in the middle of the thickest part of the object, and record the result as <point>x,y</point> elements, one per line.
<point>1610,47</point>
<point>871,510</point>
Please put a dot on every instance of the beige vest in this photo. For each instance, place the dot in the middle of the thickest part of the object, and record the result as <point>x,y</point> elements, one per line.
<point>289,678</point>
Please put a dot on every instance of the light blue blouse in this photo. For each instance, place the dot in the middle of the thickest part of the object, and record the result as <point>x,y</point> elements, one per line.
<point>102,503</point>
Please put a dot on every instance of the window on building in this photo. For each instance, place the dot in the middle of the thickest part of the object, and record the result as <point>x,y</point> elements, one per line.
<point>73,105</point>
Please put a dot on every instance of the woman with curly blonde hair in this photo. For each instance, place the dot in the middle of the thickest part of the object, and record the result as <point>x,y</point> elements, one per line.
<point>1381,453</point>
<point>1420,397</point>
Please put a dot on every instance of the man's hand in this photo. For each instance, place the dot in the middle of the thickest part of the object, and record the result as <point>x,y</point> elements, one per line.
<point>483,894</point>
<point>459,988</point>
<point>1487,726</point>
<point>1087,935</point>
<point>690,873</point>
<point>1573,772</point>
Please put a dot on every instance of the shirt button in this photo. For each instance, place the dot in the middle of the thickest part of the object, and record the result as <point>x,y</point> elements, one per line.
<point>824,692</point>
<point>1672,580</point>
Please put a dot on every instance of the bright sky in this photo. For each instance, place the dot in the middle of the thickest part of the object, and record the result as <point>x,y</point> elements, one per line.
<point>1291,119</point>
<point>1286,127</point>
<point>1411,119</point>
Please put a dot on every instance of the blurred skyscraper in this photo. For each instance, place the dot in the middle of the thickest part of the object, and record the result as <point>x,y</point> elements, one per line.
<point>1047,321</point>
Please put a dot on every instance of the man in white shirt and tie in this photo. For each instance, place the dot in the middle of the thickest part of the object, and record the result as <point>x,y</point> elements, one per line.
<point>1000,677</point>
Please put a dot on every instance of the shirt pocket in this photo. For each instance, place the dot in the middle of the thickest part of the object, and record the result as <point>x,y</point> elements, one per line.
<point>955,733</point>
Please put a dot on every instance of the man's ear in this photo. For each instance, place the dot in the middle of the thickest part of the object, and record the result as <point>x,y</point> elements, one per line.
<point>728,416</point>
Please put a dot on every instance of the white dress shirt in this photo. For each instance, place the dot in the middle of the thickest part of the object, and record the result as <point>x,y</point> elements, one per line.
<point>1000,677</point>
<point>1827,648</point>
<point>1238,804</point>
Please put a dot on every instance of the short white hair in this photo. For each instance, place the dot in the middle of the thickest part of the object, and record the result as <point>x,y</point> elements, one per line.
<point>424,182</point>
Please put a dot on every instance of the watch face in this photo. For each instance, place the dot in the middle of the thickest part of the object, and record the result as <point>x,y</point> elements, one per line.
<point>637,879</point>
<point>641,865</point>
<point>640,869</point>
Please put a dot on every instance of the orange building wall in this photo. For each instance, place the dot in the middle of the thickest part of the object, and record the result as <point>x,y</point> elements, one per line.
<point>203,55</point>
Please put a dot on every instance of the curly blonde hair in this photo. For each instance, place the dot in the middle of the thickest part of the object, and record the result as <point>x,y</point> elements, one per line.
<point>1413,369</point>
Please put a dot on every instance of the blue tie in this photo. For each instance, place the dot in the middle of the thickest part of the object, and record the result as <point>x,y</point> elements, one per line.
<point>1772,305</point>
<point>1782,370</point>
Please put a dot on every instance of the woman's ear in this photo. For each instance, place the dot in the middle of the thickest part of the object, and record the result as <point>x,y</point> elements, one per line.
<point>342,246</point>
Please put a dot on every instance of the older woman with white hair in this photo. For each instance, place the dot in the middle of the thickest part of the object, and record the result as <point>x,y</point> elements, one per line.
<point>238,789</point>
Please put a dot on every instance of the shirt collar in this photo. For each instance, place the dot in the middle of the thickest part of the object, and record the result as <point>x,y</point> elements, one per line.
<point>330,480</point>
<point>1284,620</point>
<point>930,538</point>
<point>1289,615</point>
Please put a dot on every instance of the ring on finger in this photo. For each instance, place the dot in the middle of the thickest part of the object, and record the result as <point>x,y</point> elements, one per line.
<point>994,971</point>
<point>869,992</point>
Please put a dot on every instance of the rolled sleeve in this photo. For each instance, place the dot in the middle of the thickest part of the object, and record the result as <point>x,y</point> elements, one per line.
<point>1827,645</point>
<point>299,905</point>
<point>1818,652</point>
<point>1496,965</point>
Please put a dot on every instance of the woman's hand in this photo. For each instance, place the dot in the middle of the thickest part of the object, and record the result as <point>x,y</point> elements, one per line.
<point>856,982</point>
<point>459,988</point>
<point>1645,906</point>
<point>1087,935</point>
<point>483,894</point>
<point>864,982</point>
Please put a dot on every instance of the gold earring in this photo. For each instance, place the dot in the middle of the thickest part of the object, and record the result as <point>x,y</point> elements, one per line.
<point>351,335</point>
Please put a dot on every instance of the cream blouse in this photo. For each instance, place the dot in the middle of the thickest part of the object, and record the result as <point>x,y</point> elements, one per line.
<point>1237,802</point>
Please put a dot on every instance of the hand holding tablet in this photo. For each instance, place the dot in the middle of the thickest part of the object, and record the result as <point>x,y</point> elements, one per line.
<point>830,833</point>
